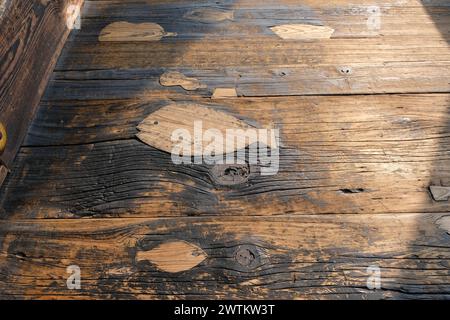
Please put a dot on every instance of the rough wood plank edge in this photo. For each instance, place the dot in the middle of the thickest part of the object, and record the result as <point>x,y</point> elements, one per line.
<point>33,34</point>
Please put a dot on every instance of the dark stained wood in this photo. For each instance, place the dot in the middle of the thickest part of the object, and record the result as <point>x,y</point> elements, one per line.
<point>280,257</point>
<point>391,148</point>
<point>32,35</point>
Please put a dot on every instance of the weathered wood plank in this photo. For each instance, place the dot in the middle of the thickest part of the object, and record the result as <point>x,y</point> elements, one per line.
<point>377,119</point>
<point>256,81</point>
<point>355,171</point>
<point>32,35</point>
<point>130,178</point>
<point>232,45</point>
<point>246,19</point>
<point>204,54</point>
<point>280,258</point>
<point>339,154</point>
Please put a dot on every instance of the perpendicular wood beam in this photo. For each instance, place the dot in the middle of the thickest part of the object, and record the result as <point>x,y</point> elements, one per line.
<point>32,35</point>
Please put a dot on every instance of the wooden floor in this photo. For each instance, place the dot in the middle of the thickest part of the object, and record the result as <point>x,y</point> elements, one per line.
<point>364,116</point>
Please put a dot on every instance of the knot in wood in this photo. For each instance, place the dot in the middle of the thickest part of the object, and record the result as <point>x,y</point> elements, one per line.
<point>230,175</point>
<point>245,256</point>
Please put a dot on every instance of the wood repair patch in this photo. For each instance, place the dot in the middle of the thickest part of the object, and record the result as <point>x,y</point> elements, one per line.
<point>127,31</point>
<point>302,32</point>
<point>158,128</point>
<point>175,256</point>
<point>174,78</point>
<point>224,93</point>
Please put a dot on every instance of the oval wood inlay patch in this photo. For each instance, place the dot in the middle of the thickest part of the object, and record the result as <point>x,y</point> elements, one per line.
<point>302,32</point>
<point>170,79</point>
<point>126,31</point>
<point>175,256</point>
<point>157,129</point>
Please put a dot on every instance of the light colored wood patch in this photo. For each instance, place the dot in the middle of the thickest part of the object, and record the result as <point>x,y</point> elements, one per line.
<point>302,32</point>
<point>170,79</point>
<point>175,256</point>
<point>119,271</point>
<point>209,15</point>
<point>224,93</point>
<point>126,31</point>
<point>157,129</point>
<point>440,193</point>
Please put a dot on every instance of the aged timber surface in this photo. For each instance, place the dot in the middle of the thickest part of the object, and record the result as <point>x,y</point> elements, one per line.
<point>372,154</point>
<point>282,257</point>
<point>361,95</point>
<point>31,39</point>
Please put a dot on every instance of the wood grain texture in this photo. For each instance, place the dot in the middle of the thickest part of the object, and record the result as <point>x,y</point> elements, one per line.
<point>32,36</point>
<point>302,32</point>
<point>163,129</point>
<point>126,31</point>
<point>364,123</point>
<point>252,18</point>
<point>338,154</point>
<point>209,15</point>
<point>173,256</point>
<point>258,81</point>
<point>319,257</point>
<point>170,79</point>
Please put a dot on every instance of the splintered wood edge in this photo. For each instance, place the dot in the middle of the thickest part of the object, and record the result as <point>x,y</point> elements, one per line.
<point>302,32</point>
<point>127,31</point>
<point>174,256</point>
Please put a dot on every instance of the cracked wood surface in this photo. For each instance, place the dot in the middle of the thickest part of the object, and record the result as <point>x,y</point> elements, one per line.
<point>364,123</point>
<point>281,257</point>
